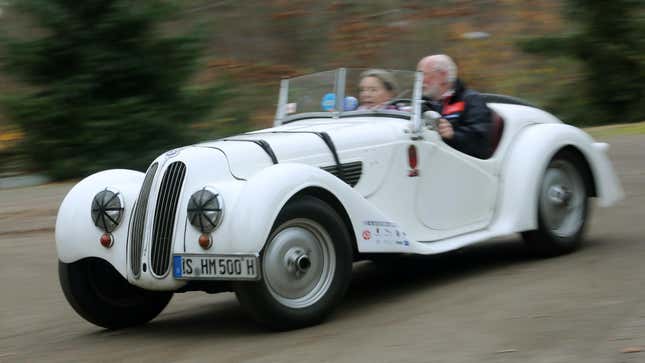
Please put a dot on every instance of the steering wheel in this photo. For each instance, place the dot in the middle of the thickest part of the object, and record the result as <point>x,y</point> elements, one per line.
<point>396,101</point>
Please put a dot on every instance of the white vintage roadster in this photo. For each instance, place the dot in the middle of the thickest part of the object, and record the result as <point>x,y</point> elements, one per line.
<point>279,215</point>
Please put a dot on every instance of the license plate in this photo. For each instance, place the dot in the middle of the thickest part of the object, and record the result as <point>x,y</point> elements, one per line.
<point>215,267</point>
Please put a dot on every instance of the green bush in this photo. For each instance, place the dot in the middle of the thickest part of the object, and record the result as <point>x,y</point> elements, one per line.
<point>109,84</point>
<point>607,37</point>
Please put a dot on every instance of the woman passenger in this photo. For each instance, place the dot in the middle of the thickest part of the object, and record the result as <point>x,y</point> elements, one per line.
<point>376,88</point>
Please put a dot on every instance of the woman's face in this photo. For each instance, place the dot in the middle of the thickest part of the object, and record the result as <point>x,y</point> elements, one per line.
<point>372,92</point>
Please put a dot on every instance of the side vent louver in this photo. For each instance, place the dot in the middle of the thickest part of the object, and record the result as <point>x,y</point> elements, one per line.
<point>352,171</point>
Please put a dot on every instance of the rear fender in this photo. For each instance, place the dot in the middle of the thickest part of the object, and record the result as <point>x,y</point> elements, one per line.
<point>525,163</point>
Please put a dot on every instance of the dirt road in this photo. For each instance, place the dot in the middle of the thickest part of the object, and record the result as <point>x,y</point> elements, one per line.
<point>488,303</point>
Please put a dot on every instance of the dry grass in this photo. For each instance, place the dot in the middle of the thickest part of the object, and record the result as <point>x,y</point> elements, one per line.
<point>613,130</point>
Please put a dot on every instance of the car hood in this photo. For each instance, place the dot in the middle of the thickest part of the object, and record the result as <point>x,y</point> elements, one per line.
<point>304,142</point>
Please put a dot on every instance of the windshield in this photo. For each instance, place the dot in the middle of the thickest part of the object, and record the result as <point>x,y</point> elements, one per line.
<point>344,92</point>
<point>312,93</point>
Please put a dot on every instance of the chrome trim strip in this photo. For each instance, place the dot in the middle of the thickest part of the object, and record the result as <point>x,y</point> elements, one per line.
<point>164,220</point>
<point>136,236</point>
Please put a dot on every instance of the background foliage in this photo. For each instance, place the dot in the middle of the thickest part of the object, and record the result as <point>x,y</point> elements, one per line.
<point>107,85</point>
<point>111,83</point>
<point>608,39</point>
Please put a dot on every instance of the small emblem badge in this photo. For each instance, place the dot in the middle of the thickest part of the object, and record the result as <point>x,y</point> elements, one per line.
<point>172,153</point>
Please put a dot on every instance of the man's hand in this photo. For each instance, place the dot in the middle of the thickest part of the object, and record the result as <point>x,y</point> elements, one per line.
<point>445,129</point>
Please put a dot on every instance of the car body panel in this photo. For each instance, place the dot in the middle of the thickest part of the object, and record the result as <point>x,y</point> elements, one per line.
<point>76,235</point>
<point>527,160</point>
<point>449,200</point>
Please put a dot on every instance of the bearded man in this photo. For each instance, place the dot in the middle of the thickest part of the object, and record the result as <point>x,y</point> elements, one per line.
<point>466,119</point>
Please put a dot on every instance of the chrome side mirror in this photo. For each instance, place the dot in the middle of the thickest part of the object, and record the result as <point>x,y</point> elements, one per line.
<point>431,119</point>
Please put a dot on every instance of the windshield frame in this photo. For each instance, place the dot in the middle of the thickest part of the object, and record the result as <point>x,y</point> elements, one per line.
<point>414,116</point>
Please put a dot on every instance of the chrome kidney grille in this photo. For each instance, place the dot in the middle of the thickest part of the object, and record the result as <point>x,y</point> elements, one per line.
<point>138,221</point>
<point>164,220</point>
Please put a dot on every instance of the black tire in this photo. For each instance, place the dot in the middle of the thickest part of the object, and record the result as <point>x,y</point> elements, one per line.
<point>562,216</point>
<point>100,295</point>
<point>282,299</point>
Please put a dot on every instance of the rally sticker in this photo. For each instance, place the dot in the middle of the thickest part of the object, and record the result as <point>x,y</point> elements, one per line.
<point>367,235</point>
<point>382,232</point>
<point>328,102</point>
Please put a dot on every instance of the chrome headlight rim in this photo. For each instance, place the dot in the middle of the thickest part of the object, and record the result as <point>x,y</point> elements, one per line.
<point>205,211</point>
<point>107,209</point>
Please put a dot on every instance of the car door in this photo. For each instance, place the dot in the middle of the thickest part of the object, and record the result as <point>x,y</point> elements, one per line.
<point>456,193</point>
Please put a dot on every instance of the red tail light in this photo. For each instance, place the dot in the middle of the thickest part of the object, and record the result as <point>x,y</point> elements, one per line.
<point>412,156</point>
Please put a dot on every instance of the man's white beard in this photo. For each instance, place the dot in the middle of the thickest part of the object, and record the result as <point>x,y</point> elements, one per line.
<point>433,92</point>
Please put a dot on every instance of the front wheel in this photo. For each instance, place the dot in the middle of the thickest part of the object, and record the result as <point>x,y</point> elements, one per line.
<point>562,207</point>
<point>306,267</point>
<point>100,295</point>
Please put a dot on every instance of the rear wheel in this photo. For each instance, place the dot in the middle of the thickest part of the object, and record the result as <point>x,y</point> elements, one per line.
<point>100,295</point>
<point>562,207</point>
<point>306,267</point>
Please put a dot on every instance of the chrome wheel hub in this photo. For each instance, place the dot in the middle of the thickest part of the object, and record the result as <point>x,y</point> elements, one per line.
<point>299,263</point>
<point>562,199</point>
<point>559,195</point>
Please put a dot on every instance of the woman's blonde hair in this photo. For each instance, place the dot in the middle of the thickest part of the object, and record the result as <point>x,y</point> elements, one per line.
<point>384,76</point>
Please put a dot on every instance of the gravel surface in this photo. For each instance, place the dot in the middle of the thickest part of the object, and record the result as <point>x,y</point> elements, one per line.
<point>486,303</point>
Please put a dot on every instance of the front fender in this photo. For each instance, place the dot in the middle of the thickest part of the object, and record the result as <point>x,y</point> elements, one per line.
<point>76,235</point>
<point>524,166</point>
<point>266,193</point>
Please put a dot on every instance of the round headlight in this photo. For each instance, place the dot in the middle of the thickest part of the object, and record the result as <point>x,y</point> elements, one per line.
<point>107,210</point>
<point>205,210</point>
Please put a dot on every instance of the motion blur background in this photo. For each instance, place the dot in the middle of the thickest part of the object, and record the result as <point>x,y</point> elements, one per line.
<point>96,84</point>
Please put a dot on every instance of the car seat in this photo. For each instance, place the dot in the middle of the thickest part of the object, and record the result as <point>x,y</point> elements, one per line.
<point>496,131</point>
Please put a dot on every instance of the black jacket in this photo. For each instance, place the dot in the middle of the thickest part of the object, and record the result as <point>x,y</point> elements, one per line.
<point>470,119</point>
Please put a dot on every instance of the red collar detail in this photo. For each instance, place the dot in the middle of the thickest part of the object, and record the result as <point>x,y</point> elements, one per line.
<point>449,108</point>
